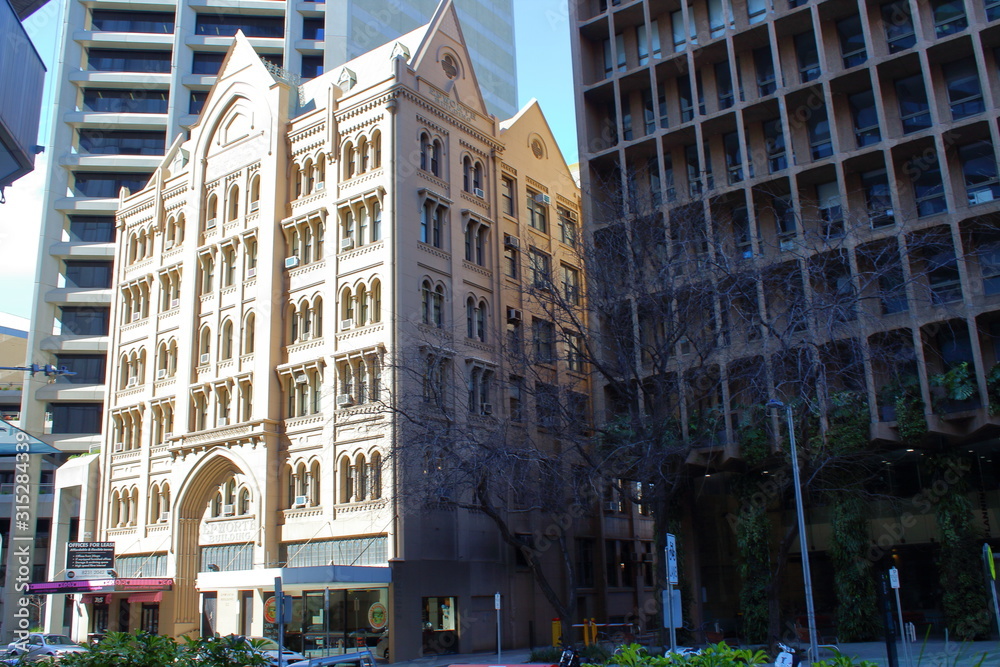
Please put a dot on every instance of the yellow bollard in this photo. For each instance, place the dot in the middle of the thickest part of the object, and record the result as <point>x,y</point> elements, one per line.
<point>556,631</point>
<point>593,631</point>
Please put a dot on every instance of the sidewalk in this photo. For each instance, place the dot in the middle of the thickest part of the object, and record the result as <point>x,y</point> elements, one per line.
<point>932,653</point>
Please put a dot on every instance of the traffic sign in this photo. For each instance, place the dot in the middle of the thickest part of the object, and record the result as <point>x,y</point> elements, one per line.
<point>671,548</point>
<point>894,577</point>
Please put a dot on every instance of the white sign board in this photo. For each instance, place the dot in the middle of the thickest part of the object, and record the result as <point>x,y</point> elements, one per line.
<point>678,615</point>
<point>784,660</point>
<point>496,602</point>
<point>89,573</point>
<point>671,549</point>
<point>894,577</point>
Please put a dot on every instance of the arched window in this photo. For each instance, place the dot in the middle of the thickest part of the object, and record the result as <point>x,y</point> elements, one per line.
<point>297,180</point>
<point>205,345</point>
<point>179,235</point>
<point>227,340</point>
<point>376,149</point>
<point>438,306</point>
<point>217,504</point>
<point>162,361</point>
<point>376,301</point>
<point>248,333</point>
<point>348,160</point>
<point>467,173</point>
<point>346,480</point>
<point>314,487</point>
<point>436,157</point>
<point>426,293</point>
<point>254,193</point>
<point>116,509</point>
<point>362,306</point>
<point>307,245</point>
<point>133,248</point>
<point>244,502</point>
<point>234,204</point>
<point>477,177</point>
<point>363,155</point>
<point>361,477</point>
<point>172,367</point>
<point>308,176</point>
<point>289,474</point>
<point>347,307</point>
<point>376,476</point>
<point>320,172</point>
<point>154,504</point>
<point>134,511</point>
<point>318,317</point>
<point>164,502</point>
<point>293,323</point>
<point>470,317</point>
<point>425,149</point>
<point>481,321</point>
<point>211,211</point>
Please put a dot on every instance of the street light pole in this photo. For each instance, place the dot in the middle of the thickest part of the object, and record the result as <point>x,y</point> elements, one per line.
<point>803,542</point>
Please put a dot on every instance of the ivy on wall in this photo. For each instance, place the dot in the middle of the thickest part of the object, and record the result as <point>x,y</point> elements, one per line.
<point>857,610</point>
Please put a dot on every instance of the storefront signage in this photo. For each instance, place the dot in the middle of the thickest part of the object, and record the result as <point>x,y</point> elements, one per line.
<point>229,531</point>
<point>100,586</point>
<point>90,560</point>
<point>377,616</point>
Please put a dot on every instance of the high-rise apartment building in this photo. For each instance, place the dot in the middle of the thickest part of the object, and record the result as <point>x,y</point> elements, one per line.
<point>322,277</point>
<point>830,167</point>
<point>130,78</point>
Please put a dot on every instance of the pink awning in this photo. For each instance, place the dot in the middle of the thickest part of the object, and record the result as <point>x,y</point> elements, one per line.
<point>146,596</point>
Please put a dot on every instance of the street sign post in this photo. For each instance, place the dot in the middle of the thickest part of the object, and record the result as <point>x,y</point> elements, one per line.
<point>672,580</point>
<point>496,605</point>
<point>894,583</point>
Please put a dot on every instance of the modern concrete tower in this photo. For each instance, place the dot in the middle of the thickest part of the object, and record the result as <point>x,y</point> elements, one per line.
<point>849,147</point>
<point>132,76</point>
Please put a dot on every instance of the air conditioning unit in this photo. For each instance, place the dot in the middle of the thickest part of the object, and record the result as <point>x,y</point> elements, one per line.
<point>513,314</point>
<point>346,324</point>
<point>487,408</point>
<point>981,197</point>
<point>511,241</point>
<point>175,303</point>
<point>881,217</point>
<point>610,506</point>
<point>168,435</point>
<point>210,223</point>
<point>304,336</point>
<point>479,193</point>
<point>204,358</point>
<point>251,272</point>
<point>346,244</point>
<point>291,262</point>
<point>168,244</point>
<point>647,558</point>
<point>320,185</point>
<point>222,421</point>
<point>133,381</point>
<point>543,199</point>
<point>164,517</point>
<point>254,205</point>
<point>228,510</point>
<point>119,447</point>
<point>136,317</point>
<point>161,373</point>
<point>300,501</point>
<point>344,400</point>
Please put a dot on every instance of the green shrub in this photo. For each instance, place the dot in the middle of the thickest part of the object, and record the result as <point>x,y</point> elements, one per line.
<point>594,653</point>
<point>122,649</point>
<point>549,654</point>
<point>714,655</point>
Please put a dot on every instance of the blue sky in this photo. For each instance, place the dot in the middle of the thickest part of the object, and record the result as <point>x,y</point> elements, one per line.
<point>544,72</point>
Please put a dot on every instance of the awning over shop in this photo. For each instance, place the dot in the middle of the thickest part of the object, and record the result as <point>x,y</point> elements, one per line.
<point>148,596</point>
<point>11,436</point>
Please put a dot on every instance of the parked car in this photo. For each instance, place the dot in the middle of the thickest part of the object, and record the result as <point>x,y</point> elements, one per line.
<point>269,648</point>
<point>43,644</point>
<point>382,648</point>
<point>358,659</point>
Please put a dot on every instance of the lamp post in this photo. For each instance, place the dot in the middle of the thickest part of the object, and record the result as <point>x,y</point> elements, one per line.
<point>803,542</point>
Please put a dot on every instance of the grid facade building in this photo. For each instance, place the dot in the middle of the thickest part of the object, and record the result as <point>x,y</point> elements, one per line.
<point>792,130</point>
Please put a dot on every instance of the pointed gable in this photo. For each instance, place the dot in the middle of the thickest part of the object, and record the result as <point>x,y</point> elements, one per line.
<point>529,131</point>
<point>442,60</point>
